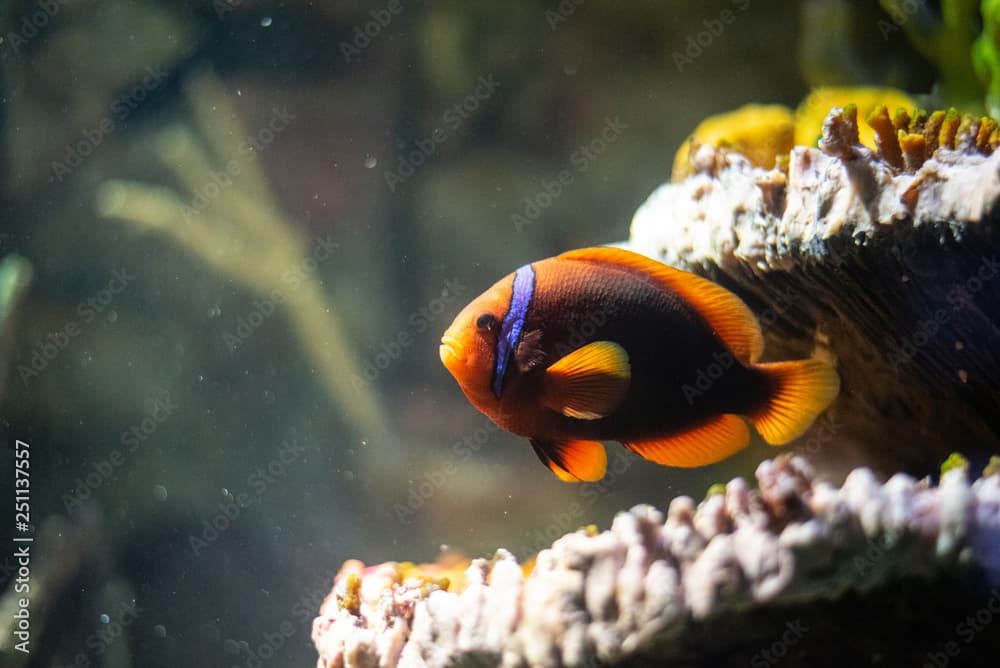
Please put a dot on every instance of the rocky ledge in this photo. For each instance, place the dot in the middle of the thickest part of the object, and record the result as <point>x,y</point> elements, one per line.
<point>795,569</point>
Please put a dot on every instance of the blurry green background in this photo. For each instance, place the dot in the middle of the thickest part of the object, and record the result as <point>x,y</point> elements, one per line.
<point>248,223</point>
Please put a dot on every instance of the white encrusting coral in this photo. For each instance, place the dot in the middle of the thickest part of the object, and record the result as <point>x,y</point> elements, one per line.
<point>730,209</point>
<point>631,593</point>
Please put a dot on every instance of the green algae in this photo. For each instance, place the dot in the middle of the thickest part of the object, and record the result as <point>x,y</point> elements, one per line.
<point>954,461</point>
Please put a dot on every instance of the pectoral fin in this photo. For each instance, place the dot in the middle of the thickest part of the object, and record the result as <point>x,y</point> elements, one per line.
<point>529,354</point>
<point>573,461</point>
<point>590,382</point>
<point>706,444</point>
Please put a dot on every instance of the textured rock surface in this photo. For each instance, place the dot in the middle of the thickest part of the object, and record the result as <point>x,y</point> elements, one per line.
<point>891,270</point>
<point>749,575</point>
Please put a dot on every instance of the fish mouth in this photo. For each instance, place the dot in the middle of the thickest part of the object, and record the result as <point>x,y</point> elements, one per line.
<point>449,351</point>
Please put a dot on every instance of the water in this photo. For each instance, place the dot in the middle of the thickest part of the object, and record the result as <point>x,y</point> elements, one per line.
<point>247,226</point>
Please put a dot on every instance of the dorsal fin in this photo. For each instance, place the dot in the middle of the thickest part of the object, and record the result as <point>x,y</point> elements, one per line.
<point>724,312</point>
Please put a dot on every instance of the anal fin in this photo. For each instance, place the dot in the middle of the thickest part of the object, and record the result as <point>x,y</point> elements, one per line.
<point>573,460</point>
<point>709,442</point>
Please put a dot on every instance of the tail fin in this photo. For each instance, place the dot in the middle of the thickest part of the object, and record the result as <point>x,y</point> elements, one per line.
<point>801,391</point>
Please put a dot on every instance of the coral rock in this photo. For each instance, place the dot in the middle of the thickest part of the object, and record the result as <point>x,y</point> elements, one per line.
<point>886,264</point>
<point>794,555</point>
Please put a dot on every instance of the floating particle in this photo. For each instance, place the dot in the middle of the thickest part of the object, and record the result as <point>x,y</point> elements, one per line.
<point>105,619</point>
<point>370,161</point>
<point>963,375</point>
<point>265,22</point>
<point>160,631</point>
<point>160,493</point>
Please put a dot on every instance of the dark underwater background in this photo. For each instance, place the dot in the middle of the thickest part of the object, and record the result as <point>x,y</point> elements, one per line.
<point>247,223</point>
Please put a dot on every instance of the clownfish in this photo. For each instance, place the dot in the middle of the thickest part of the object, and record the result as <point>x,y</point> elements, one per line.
<point>602,344</point>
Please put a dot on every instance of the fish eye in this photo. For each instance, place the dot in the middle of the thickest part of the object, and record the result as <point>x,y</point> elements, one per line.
<point>486,322</point>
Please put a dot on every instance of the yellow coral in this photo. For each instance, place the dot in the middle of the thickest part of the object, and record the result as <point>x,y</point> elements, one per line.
<point>899,132</point>
<point>814,109</point>
<point>993,467</point>
<point>759,132</point>
<point>906,141</point>
<point>954,461</point>
<point>717,488</point>
<point>447,573</point>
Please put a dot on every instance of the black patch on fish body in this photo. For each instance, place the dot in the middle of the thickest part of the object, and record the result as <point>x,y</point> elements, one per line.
<point>669,345</point>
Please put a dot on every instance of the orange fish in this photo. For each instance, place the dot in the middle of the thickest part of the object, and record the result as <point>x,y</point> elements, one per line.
<point>602,344</point>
